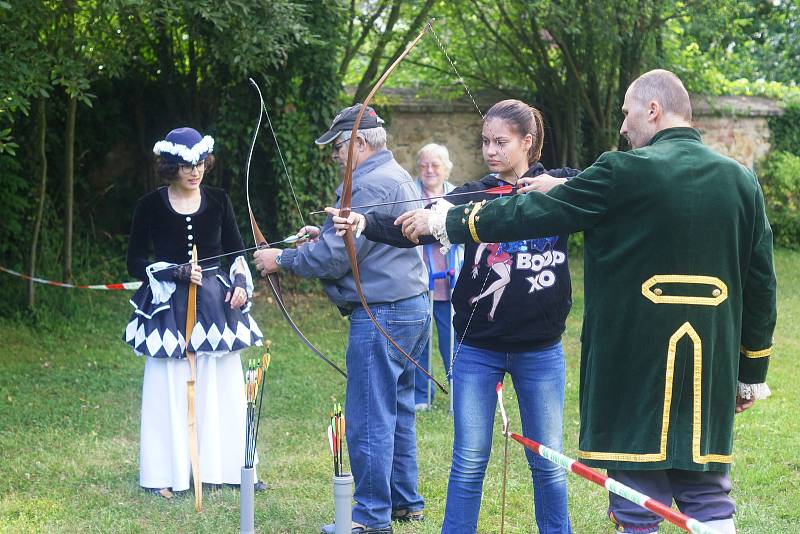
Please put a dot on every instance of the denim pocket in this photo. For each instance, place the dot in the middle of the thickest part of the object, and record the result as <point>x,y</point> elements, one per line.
<point>410,334</point>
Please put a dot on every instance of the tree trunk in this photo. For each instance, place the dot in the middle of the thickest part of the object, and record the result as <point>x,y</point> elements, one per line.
<point>69,181</point>
<point>37,223</point>
<point>169,83</point>
<point>371,72</point>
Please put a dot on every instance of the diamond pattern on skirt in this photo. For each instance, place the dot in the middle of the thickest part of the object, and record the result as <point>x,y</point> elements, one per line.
<point>154,342</point>
<point>130,330</point>
<point>243,333</point>
<point>254,327</point>
<point>228,336</point>
<point>181,342</point>
<point>198,336</point>
<point>213,336</point>
<point>139,339</point>
<point>171,344</point>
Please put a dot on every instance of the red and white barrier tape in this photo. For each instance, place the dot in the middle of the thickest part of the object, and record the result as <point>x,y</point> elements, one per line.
<point>675,517</point>
<point>129,286</point>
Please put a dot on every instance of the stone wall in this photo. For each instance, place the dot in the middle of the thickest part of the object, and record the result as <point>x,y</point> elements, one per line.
<point>735,126</point>
<point>414,122</point>
<point>459,132</point>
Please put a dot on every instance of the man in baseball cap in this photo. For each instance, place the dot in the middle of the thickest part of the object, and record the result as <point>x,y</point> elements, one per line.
<point>379,405</point>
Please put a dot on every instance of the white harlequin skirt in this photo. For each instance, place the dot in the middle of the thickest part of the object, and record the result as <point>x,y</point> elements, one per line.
<point>220,406</point>
<point>158,329</point>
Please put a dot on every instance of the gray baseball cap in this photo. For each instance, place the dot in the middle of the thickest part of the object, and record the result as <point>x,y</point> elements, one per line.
<point>344,121</point>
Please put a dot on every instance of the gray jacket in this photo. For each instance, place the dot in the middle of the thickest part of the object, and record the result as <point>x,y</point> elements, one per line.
<point>388,274</point>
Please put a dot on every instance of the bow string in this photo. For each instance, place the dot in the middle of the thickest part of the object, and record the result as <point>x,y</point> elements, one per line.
<point>499,190</point>
<point>272,279</point>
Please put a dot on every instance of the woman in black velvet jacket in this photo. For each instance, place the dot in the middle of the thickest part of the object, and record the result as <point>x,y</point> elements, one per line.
<point>167,224</point>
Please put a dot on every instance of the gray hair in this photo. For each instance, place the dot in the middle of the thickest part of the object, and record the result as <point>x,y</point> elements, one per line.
<point>439,152</point>
<point>666,88</point>
<point>374,137</point>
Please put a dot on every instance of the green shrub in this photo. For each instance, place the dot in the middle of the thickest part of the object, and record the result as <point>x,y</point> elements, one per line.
<point>784,131</point>
<point>780,179</point>
<point>576,244</point>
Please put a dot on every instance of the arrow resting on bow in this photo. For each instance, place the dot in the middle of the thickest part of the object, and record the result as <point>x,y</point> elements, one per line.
<point>347,198</point>
<point>499,190</point>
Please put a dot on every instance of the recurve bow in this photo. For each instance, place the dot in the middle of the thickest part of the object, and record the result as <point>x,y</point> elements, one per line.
<point>273,280</point>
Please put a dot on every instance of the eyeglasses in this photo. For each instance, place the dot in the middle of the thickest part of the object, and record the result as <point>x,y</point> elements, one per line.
<point>189,169</point>
<point>338,145</point>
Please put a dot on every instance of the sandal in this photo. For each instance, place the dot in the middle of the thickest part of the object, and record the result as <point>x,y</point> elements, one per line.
<point>165,493</point>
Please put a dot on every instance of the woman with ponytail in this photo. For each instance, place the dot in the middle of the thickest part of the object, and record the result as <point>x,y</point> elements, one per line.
<point>511,301</point>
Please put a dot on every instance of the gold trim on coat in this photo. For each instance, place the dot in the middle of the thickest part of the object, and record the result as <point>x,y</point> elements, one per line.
<point>718,295</point>
<point>472,230</point>
<point>697,394</point>
<point>686,329</point>
<point>755,353</point>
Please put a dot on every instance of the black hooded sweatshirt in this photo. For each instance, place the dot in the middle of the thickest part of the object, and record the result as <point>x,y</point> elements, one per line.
<point>529,280</point>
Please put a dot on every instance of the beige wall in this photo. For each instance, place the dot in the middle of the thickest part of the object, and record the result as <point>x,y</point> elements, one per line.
<point>744,139</point>
<point>458,131</point>
<point>735,126</point>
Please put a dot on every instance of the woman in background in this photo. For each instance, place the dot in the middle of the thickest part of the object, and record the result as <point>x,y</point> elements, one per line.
<point>433,170</point>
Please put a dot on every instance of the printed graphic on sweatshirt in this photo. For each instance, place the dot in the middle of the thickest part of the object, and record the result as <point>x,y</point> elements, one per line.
<point>536,255</point>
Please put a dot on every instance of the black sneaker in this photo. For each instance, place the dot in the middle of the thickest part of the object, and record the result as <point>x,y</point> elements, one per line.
<point>404,516</point>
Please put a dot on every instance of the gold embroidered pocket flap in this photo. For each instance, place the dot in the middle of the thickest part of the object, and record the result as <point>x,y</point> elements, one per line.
<point>685,289</point>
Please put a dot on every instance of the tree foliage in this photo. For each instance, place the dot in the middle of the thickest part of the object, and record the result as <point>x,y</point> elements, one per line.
<point>780,178</point>
<point>373,27</point>
<point>574,59</point>
<point>754,40</point>
<point>145,67</point>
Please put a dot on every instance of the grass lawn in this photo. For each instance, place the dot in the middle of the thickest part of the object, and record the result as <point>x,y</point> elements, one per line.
<point>69,429</point>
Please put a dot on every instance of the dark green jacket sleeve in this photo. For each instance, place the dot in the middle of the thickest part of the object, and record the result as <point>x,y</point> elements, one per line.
<point>576,205</point>
<point>758,302</point>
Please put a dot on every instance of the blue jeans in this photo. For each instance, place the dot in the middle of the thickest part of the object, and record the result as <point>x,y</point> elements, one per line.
<point>379,409</point>
<point>441,314</point>
<point>538,378</point>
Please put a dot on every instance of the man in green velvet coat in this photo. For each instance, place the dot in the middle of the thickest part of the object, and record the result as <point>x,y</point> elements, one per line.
<point>680,300</point>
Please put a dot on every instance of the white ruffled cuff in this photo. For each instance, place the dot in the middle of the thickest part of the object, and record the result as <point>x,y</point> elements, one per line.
<point>753,391</point>
<point>240,266</point>
<point>162,291</point>
<point>437,222</point>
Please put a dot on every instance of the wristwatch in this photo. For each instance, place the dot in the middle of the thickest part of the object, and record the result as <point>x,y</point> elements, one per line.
<point>278,259</point>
